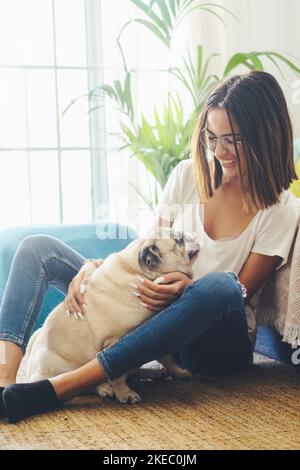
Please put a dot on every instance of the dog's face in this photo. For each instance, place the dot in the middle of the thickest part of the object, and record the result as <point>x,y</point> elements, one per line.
<point>165,250</point>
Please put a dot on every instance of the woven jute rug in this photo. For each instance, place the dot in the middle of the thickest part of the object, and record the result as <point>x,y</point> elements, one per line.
<point>258,408</point>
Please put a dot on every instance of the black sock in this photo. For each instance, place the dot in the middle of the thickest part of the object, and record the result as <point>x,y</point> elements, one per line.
<point>2,410</point>
<point>23,400</point>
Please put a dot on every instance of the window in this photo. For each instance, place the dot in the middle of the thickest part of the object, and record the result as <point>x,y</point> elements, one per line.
<point>52,168</point>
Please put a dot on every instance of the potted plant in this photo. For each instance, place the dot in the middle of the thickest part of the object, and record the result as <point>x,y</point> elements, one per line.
<point>163,141</point>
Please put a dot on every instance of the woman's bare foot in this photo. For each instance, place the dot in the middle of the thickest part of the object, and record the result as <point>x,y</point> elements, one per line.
<point>75,382</point>
<point>10,358</point>
<point>6,379</point>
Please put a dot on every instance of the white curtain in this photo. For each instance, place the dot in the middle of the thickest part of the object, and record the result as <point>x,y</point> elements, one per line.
<point>126,205</point>
<point>260,25</point>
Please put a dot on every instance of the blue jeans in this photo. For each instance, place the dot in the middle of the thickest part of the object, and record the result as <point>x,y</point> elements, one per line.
<point>205,328</point>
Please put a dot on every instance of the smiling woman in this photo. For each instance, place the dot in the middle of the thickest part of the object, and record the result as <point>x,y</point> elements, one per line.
<point>242,166</point>
<point>251,108</point>
<point>249,219</point>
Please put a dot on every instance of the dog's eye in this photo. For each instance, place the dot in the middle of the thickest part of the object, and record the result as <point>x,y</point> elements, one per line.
<point>151,257</point>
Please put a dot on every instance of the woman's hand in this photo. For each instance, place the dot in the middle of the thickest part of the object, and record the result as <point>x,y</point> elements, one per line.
<point>74,300</point>
<point>157,296</point>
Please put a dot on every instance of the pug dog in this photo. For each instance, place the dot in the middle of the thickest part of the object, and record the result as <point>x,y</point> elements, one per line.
<point>63,343</point>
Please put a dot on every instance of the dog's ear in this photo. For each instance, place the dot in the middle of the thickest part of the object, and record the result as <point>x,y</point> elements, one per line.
<point>151,257</point>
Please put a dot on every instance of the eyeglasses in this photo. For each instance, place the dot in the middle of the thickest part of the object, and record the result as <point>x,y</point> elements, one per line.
<point>228,141</point>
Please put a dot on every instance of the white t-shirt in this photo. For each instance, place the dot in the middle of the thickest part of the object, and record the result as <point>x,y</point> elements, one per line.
<point>270,232</point>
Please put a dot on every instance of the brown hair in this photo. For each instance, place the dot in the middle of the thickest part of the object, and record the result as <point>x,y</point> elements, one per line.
<point>256,103</point>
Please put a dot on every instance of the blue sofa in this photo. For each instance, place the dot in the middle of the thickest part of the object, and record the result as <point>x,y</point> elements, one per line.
<point>84,239</point>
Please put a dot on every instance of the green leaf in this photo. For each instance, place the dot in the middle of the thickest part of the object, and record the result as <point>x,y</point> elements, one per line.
<point>119,91</point>
<point>234,61</point>
<point>180,76</point>
<point>172,7</point>
<point>163,27</point>
<point>164,12</point>
<point>162,145</point>
<point>73,101</point>
<point>127,95</point>
<point>155,30</point>
<point>221,7</point>
<point>276,65</point>
<point>147,132</point>
<point>129,133</point>
<point>203,6</point>
<point>149,12</point>
<point>212,12</point>
<point>95,108</point>
<point>251,60</point>
<point>206,65</point>
<point>161,129</point>
<point>183,7</point>
<point>199,60</point>
<point>288,62</point>
<point>256,61</point>
<point>195,77</point>
<point>109,91</point>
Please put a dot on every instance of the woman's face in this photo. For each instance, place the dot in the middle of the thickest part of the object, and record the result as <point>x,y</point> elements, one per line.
<point>218,125</point>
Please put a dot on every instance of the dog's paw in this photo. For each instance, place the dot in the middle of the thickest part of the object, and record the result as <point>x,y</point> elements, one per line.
<point>105,390</point>
<point>127,396</point>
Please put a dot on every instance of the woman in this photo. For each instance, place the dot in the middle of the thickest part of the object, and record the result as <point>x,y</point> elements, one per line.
<point>249,220</point>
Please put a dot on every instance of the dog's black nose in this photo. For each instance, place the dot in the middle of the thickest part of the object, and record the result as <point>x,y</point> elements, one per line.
<point>192,253</point>
<point>179,237</point>
<point>192,249</point>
